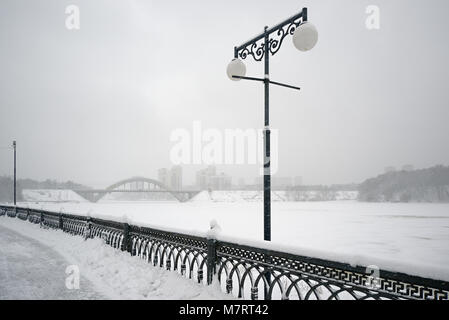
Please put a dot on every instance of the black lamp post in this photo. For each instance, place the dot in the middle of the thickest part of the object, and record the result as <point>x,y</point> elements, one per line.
<point>305,36</point>
<point>14,145</point>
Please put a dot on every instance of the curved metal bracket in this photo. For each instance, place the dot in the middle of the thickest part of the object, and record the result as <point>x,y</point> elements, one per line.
<point>256,46</point>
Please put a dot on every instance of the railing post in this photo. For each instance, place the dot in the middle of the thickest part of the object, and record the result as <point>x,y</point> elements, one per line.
<point>126,238</point>
<point>133,249</point>
<point>211,259</point>
<point>87,229</point>
<point>61,224</point>
<point>267,275</point>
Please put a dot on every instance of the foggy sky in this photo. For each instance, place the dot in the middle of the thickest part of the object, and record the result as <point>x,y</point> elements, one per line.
<point>98,105</point>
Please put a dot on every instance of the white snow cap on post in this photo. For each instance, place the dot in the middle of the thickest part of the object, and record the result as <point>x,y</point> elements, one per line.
<point>236,68</point>
<point>305,37</point>
<point>214,230</point>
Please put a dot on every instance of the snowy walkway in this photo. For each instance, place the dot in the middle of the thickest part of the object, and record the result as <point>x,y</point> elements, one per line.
<point>30,270</point>
<point>33,263</point>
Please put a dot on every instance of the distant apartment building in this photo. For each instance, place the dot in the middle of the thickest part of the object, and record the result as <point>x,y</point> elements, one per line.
<point>208,178</point>
<point>176,178</point>
<point>162,176</point>
<point>203,177</point>
<point>172,179</point>
<point>220,182</point>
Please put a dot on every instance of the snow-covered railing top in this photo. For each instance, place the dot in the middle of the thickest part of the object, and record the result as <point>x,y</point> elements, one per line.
<point>244,270</point>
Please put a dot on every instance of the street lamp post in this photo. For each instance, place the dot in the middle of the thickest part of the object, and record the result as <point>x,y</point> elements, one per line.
<point>305,36</point>
<point>14,147</point>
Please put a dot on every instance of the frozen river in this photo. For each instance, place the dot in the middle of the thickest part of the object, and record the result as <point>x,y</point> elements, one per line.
<point>412,238</point>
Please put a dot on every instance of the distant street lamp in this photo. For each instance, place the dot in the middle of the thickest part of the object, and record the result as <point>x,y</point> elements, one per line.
<point>14,145</point>
<point>305,37</point>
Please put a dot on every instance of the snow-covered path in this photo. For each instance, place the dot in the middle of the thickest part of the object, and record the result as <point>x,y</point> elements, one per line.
<point>31,270</point>
<point>33,262</point>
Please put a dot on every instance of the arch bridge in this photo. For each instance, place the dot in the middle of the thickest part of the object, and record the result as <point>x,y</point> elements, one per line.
<point>136,185</point>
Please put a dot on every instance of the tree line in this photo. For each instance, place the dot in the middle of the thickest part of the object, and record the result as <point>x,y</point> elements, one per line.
<point>7,187</point>
<point>424,185</point>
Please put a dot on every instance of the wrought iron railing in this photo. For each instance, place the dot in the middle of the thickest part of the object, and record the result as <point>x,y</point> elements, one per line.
<point>244,271</point>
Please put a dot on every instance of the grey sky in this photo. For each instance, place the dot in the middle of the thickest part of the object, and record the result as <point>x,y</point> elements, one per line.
<point>98,105</point>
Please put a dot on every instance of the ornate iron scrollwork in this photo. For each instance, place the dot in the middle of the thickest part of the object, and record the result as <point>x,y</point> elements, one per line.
<point>275,43</point>
<point>256,49</point>
<point>305,278</point>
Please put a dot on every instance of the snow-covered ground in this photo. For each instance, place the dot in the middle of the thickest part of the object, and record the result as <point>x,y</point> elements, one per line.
<point>65,195</point>
<point>33,264</point>
<point>49,195</point>
<point>31,270</point>
<point>407,237</point>
<point>276,196</point>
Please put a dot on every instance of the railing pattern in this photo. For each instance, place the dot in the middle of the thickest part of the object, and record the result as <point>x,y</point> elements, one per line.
<point>244,271</point>
<point>185,254</point>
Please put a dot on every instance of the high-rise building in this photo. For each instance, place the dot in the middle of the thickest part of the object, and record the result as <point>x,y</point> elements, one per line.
<point>203,177</point>
<point>220,182</point>
<point>408,167</point>
<point>176,178</point>
<point>172,179</point>
<point>162,176</point>
<point>208,178</point>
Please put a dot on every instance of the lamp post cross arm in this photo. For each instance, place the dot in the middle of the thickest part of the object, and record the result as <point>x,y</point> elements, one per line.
<point>269,81</point>
<point>281,30</point>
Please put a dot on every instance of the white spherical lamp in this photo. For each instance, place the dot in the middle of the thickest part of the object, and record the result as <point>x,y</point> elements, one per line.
<point>236,68</point>
<point>305,37</point>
